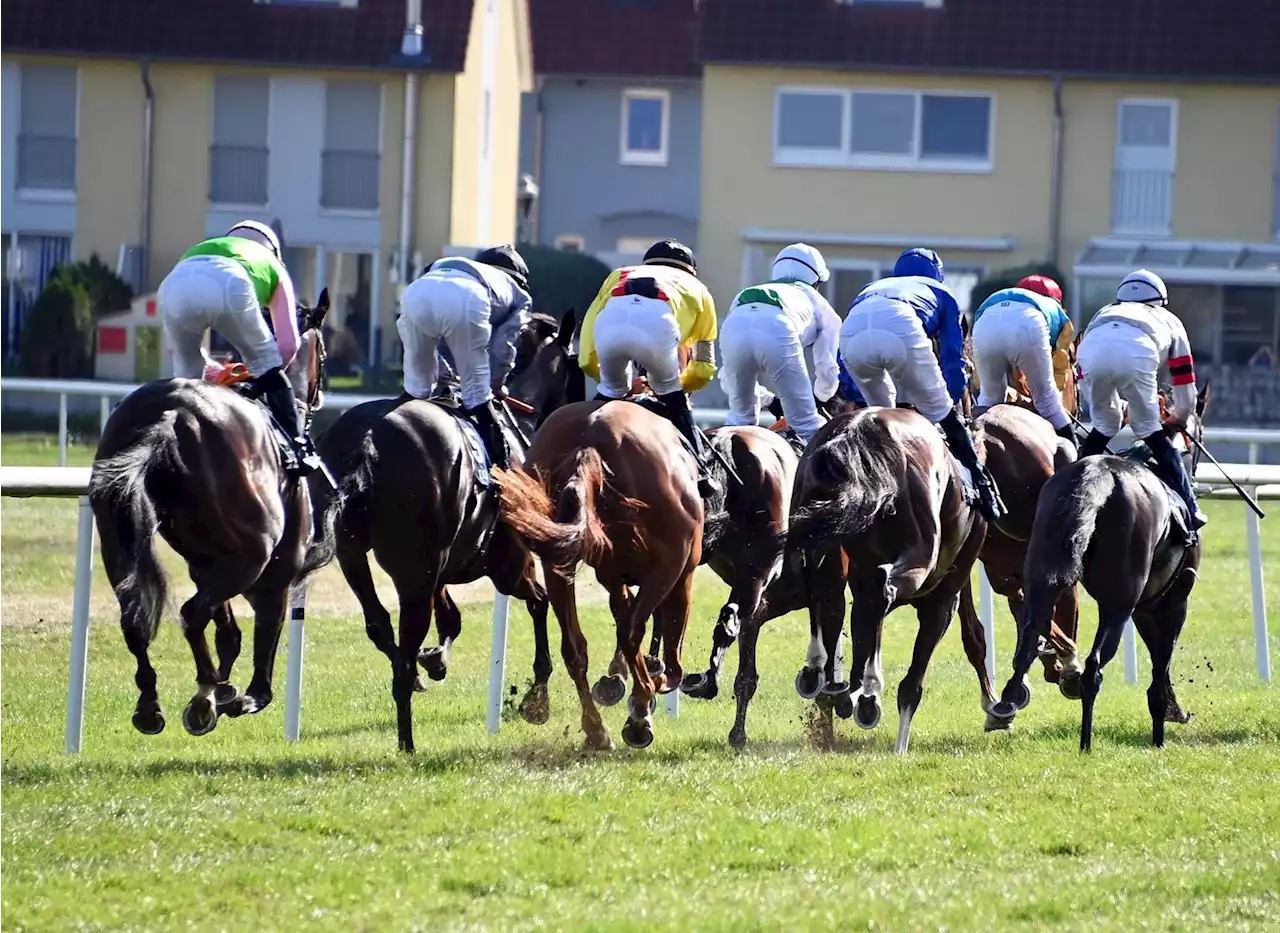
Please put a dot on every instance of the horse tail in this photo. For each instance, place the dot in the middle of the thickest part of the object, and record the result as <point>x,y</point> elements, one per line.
<point>349,509</point>
<point>1066,522</point>
<point>854,478</point>
<point>326,503</point>
<point>126,516</point>
<point>568,530</point>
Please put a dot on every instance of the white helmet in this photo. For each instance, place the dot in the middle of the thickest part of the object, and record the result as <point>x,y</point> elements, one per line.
<point>259,233</point>
<point>1143,285</point>
<point>801,261</point>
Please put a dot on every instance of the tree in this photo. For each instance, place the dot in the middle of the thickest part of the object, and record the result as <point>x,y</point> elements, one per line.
<point>1007,278</point>
<point>57,341</point>
<point>560,280</point>
<point>107,292</point>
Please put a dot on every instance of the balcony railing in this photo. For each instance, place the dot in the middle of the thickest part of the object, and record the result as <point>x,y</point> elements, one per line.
<point>349,180</point>
<point>238,174</point>
<point>1142,201</point>
<point>47,162</point>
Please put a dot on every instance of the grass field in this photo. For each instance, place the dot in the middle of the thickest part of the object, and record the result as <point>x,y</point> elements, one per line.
<point>237,831</point>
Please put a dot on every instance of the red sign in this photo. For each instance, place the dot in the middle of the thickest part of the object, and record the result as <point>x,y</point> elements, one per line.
<point>113,339</point>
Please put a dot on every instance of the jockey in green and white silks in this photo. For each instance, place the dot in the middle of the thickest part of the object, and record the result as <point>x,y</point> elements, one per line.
<point>763,339</point>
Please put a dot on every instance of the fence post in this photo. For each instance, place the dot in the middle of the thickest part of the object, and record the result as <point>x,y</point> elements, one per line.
<point>497,662</point>
<point>104,412</point>
<point>293,685</point>
<point>1130,653</point>
<point>1261,645</point>
<point>62,429</point>
<point>78,682</point>
<point>987,613</point>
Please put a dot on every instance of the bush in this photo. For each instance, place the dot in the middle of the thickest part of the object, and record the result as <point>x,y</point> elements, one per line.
<point>57,341</point>
<point>561,280</point>
<point>1007,278</point>
<point>108,293</point>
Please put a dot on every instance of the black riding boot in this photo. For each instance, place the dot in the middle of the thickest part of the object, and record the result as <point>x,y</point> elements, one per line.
<point>1095,443</point>
<point>486,419</point>
<point>681,415</point>
<point>961,443</point>
<point>1171,469</point>
<point>283,405</point>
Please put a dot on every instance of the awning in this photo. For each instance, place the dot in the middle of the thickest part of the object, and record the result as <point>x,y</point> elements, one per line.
<point>1185,262</point>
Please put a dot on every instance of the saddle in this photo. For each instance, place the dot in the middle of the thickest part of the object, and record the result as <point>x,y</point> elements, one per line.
<point>234,376</point>
<point>475,443</point>
<point>1140,453</point>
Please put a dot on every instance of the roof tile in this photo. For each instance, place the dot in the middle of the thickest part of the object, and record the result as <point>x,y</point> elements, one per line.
<point>614,37</point>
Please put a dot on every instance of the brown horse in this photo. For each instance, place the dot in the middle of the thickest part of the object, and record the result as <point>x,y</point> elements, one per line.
<point>880,485</point>
<point>609,484</point>
<point>198,464</point>
<point>410,492</point>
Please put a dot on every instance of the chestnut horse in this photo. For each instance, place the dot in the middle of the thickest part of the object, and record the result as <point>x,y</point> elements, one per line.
<point>198,464</point>
<point>609,484</point>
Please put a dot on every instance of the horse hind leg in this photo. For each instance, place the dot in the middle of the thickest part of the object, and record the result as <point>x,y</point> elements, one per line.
<point>226,640</point>
<point>934,614</point>
<point>612,687</point>
<point>535,706</point>
<point>637,732</point>
<point>377,620</point>
<point>1111,622</point>
<point>974,639</point>
<point>200,716</point>
<point>435,660</point>
<point>573,648</point>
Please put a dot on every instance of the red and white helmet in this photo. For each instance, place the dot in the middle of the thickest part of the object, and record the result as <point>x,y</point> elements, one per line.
<point>1042,285</point>
<point>259,233</point>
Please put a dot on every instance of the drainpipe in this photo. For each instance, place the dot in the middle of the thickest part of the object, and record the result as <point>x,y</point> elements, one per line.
<point>411,46</point>
<point>1055,175</point>
<point>538,153</point>
<point>148,140</point>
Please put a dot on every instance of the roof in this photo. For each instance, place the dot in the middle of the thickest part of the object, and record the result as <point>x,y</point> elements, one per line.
<point>250,31</point>
<point>653,38</point>
<point>1169,39</point>
<point>1183,261</point>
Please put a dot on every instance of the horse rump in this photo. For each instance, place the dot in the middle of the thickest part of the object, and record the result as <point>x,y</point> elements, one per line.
<point>1066,521</point>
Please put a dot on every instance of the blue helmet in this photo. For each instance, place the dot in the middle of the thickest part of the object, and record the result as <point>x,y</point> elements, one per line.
<point>919,261</point>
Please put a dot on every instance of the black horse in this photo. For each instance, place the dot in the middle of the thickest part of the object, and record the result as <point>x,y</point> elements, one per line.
<point>1108,522</point>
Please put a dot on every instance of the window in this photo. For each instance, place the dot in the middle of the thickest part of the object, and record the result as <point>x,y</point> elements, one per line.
<point>238,155</point>
<point>883,129</point>
<point>570,243</point>
<point>634,245</point>
<point>847,279</point>
<point>350,162</point>
<point>1142,183</point>
<point>645,121</point>
<point>47,129</point>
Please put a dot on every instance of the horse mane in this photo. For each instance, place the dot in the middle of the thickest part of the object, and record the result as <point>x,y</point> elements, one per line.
<point>854,477</point>
<point>1067,519</point>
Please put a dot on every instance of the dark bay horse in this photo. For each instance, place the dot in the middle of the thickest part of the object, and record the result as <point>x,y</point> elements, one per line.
<point>198,464</point>
<point>1107,522</point>
<point>880,485</point>
<point>610,485</point>
<point>409,493</point>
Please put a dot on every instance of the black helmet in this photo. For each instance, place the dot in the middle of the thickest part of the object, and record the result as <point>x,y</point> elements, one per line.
<point>508,260</point>
<point>671,253</point>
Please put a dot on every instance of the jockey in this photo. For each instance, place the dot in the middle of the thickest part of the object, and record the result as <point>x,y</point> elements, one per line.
<point>647,314</point>
<point>477,307</point>
<point>764,337</point>
<point>885,345</point>
<point>1024,326</point>
<point>238,285</point>
<point>1121,355</point>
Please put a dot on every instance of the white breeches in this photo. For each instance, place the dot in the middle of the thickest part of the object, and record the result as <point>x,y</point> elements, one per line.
<point>760,345</point>
<point>1121,362</point>
<point>887,353</point>
<point>204,292</point>
<point>1017,335</point>
<point>454,308</point>
<point>632,328</point>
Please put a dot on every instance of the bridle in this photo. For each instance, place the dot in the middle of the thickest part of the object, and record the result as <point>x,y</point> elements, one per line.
<point>315,381</point>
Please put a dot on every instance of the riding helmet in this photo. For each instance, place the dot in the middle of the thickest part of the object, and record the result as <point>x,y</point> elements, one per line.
<point>801,261</point>
<point>1042,285</point>
<point>919,261</point>
<point>671,253</point>
<point>1144,286</point>
<point>508,260</point>
<point>259,233</point>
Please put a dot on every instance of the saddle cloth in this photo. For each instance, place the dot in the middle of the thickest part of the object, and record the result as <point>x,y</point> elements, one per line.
<point>475,443</point>
<point>1140,453</point>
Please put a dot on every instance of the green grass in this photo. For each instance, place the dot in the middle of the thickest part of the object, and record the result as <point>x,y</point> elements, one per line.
<point>237,830</point>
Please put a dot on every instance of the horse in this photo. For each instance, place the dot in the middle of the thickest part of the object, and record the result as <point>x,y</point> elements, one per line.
<point>1140,568</point>
<point>410,492</point>
<point>879,505</point>
<point>199,464</point>
<point>609,483</point>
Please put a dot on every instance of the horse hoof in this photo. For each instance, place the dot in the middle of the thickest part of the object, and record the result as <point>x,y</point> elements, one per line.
<point>433,662</point>
<point>1069,685</point>
<point>637,733</point>
<point>199,717</point>
<point>633,707</point>
<point>867,712</point>
<point>225,693</point>
<point>1173,713</point>
<point>1002,712</point>
<point>598,743</point>
<point>738,739</point>
<point>419,685</point>
<point>149,722</point>
<point>656,667</point>
<point>996,723</point>
<point>1022,695</point>
<point>809,682</point>
<point>609,691</point>
<point>535,708</point>
<point>700,687</point>
<point>243,705</point>
<point>844,705</point>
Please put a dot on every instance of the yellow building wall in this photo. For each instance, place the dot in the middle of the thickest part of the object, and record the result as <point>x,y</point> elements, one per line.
<point>109,159</point>
<point>180,185</point>
<point>468,108</point>
<point>506,133</point>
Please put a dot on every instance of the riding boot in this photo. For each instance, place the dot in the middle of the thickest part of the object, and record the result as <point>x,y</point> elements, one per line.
<point>1171,469</point>
<point>1095,443</point>
<point>961,443</point>
<point>283,405</point>
<point>1067,433</point>
<point>495,442</point>
<point>681,415</point>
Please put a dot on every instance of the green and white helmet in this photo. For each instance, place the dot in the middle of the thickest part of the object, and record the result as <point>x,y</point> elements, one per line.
<point>801,262</point>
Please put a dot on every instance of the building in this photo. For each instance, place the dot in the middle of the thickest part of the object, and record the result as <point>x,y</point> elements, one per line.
<point>612,134</point>
<point>372,132</point>
<point>1100,134</point>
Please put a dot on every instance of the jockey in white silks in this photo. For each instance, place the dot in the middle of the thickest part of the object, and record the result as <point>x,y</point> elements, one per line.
<point>765,335</point>
<point>477,308</point>
<point>1024,326</point>
<point>1121,354</point>
<point>237,285</point>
